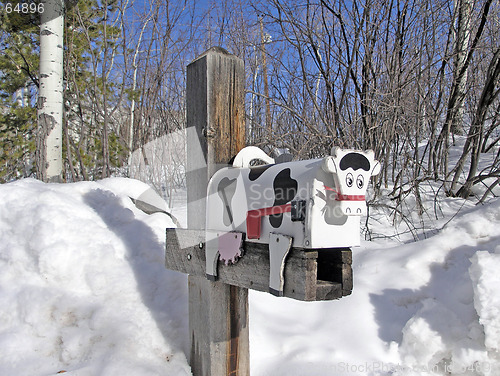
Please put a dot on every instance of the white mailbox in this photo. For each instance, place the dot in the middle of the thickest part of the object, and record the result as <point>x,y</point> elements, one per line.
<point>308,204</point>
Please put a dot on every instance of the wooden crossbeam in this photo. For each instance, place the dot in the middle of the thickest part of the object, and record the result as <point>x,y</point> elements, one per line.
<point>309,275</point>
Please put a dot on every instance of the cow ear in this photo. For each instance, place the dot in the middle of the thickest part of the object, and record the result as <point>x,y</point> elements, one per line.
<point>335,151</point>
<point>376,168</point>
<point>329,165</point>
<point>248,154</point>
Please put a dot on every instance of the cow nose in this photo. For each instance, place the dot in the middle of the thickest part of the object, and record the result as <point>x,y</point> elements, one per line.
<point>350,208</point>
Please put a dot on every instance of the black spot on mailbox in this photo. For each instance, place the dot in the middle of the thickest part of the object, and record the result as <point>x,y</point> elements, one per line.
<point>226,189</point>
<point>285,189</point>
<point>355,161</point>
<point>256,172</point>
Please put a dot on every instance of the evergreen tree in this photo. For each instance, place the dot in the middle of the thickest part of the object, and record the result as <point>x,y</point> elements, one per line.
<point>90,38</point>
<point>95,84</point>
<point>18,87</point>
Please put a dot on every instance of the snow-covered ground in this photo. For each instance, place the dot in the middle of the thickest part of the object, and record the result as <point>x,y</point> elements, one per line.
<point>83,289</point>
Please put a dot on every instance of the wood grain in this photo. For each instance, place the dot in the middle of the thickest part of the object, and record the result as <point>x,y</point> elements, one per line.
<point>218,312</point>
<point>309,275</point>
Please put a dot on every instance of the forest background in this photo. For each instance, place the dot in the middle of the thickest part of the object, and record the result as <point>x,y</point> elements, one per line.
<point>408,79</point>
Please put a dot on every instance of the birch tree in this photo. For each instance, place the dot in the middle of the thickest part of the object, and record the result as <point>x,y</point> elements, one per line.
<point>50,96</point>
<point>463,8</point>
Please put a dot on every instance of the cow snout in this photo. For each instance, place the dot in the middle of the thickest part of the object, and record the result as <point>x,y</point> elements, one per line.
<point>353,208</point>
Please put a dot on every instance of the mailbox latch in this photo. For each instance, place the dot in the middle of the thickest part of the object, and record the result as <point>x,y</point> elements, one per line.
<point>298,212</point>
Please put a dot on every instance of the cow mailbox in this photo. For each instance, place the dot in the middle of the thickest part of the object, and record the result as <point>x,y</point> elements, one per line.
<point>310,204</point>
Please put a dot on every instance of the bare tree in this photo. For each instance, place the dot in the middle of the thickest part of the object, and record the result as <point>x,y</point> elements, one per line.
<point>463,11</point>
<point>475,139</point>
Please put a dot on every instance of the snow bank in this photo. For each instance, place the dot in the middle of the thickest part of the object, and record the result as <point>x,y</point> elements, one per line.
<point>83,289</point>
<point>82,283</point>
<point>429,307</point>
<point>485,275</point>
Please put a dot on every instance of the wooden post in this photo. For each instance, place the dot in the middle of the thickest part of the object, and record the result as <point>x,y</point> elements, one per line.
<point>218,313</point>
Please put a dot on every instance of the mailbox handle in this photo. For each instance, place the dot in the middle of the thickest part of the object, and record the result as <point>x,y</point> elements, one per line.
<point>254,218</point>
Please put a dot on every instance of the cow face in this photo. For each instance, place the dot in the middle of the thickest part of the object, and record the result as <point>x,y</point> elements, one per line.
<point>352,171</point>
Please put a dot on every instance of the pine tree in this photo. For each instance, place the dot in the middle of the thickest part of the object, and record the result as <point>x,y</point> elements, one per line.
<point>82,138</point>
<point>18,87</point>
<point>92,93</point>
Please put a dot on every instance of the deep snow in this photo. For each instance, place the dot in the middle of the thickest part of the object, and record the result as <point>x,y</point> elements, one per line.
<point>83,289</point>
<point>82,282</point>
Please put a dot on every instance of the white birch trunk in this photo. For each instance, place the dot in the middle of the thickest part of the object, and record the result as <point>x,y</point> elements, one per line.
<point>134,86</point>
<point>50,95</point>
<point>463,9</point>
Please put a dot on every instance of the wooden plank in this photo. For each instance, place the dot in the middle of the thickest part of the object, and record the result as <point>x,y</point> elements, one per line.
<point>185,252</point>
<point>218,313</point>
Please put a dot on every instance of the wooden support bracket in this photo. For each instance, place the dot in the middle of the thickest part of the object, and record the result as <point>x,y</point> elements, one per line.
<point>309,275</point>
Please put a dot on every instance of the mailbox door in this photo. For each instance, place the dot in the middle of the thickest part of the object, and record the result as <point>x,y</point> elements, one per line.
<point>328,226</point>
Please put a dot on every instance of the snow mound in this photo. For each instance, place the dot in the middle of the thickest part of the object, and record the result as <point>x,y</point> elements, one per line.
<point>83,289</point>
<point>428,307</point>
<point>484,272</point>
<point>82,283</point>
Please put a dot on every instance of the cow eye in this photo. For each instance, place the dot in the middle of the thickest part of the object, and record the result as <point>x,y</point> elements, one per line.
<point>349,179</point>
<point>360,181</point>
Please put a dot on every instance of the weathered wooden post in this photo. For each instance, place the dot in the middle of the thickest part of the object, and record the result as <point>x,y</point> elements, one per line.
<point>218,312</point>
<point>309,260</point>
